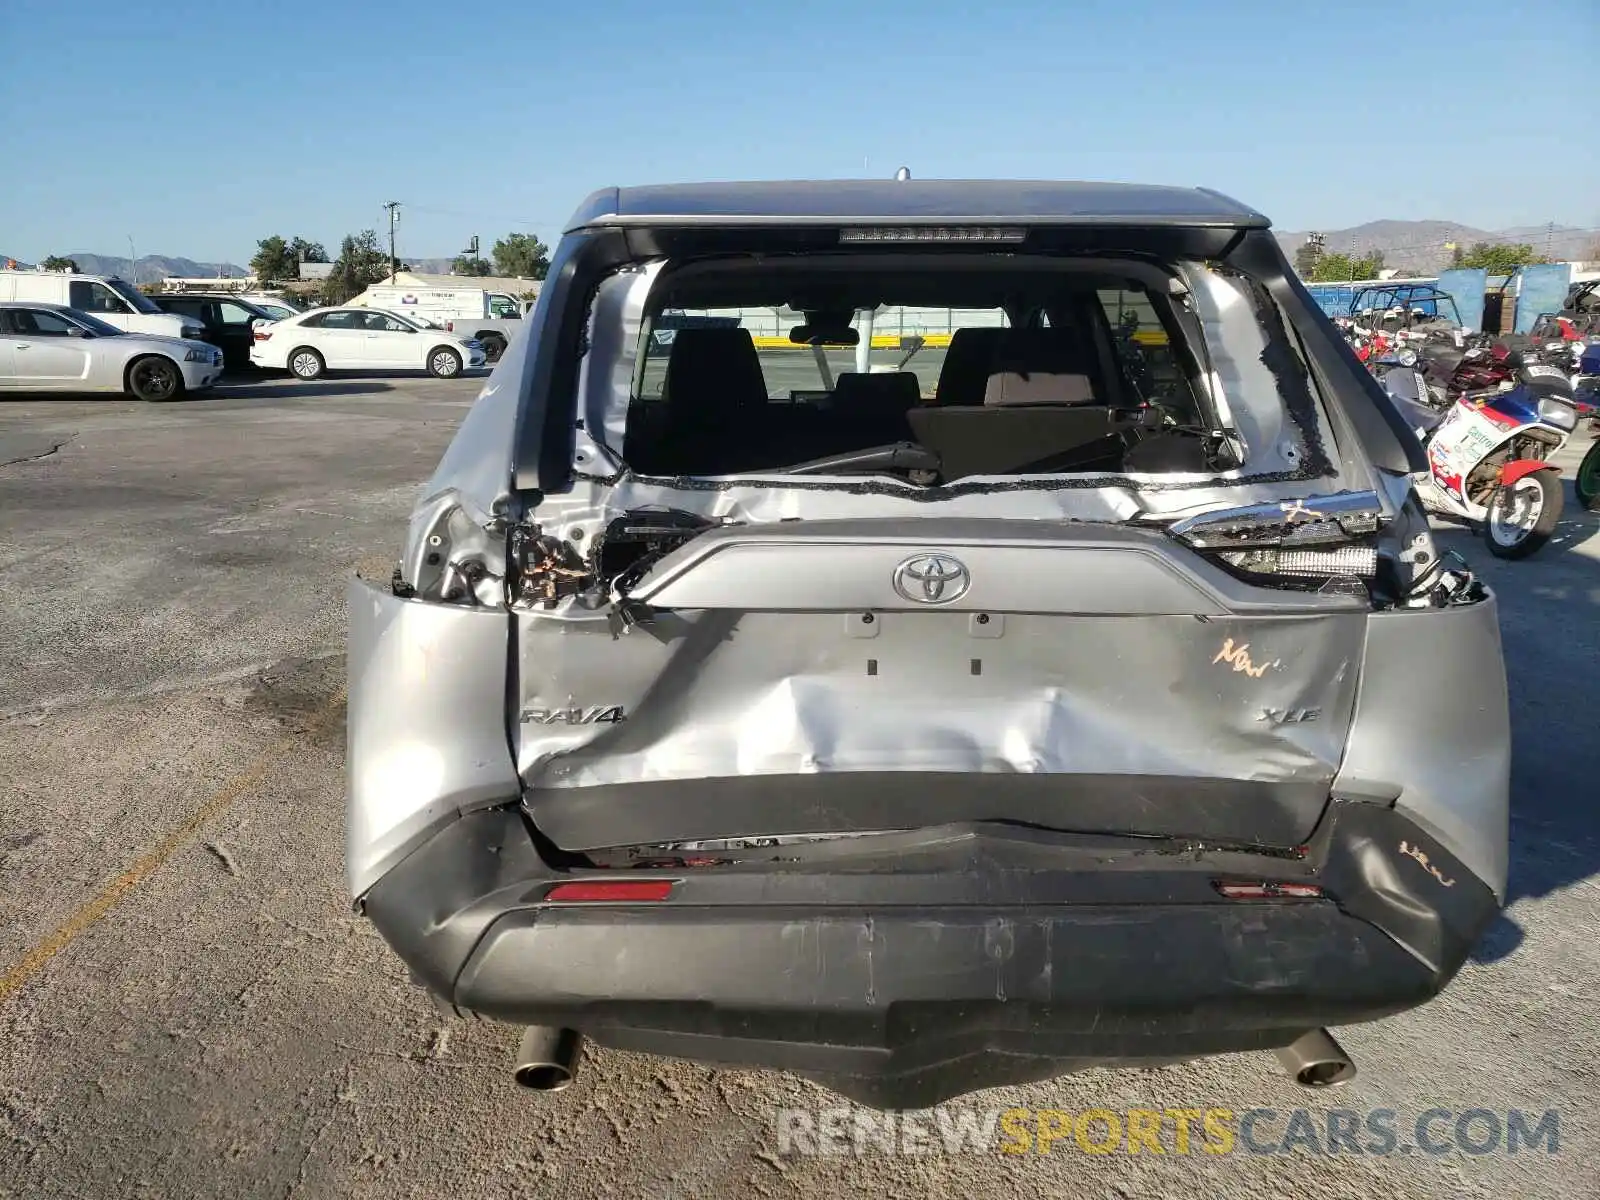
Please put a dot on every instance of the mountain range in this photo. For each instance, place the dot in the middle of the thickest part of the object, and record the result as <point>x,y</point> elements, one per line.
<point>146,267</point>
<point>1414,246</point>
<point>1421,246</point>
<point>161,266</point>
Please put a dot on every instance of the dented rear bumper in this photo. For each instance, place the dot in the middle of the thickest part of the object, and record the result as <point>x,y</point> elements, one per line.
<point>903,969</point>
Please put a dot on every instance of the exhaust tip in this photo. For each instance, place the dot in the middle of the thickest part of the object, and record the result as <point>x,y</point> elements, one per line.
<point>542,1077</point>
<point>547,1058</point>
<point>1330,1073</point>
<point>1315,1060</point>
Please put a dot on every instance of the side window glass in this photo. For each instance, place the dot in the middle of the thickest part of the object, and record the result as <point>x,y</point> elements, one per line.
<point>46,323</point>
<point>103,300</point>
<point>234,314</point>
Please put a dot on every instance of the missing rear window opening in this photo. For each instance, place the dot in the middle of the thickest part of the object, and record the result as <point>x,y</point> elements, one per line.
<point>932,375</point>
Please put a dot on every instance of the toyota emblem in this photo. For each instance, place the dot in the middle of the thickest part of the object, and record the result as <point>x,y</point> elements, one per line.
<point>931,579</point>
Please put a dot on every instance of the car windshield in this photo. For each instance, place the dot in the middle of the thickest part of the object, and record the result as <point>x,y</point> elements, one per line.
<point>277,311</point>
<point>140,302</point>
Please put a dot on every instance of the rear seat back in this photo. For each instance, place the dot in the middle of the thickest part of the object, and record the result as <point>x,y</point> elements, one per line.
<point>872,408</point>
<point>713,401</point>
<point>1036,411</point>
<point>967,364</point>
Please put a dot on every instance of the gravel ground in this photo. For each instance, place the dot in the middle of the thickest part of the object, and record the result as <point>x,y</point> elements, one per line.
<point>188,1007</point>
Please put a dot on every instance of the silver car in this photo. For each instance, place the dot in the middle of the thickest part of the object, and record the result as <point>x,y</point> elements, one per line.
<point>51,348</point>
<point>994,634</point>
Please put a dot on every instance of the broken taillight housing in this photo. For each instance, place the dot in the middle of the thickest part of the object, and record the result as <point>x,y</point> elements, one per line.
<point>1319,541</point>
<point>1358,561</point>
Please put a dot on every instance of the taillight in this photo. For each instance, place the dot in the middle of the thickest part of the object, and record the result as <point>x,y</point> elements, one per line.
<point>262,335</point>
<point>1295,543</point>
<point>450,326</point>
<point>1267,890</point>
<point>617,891</point>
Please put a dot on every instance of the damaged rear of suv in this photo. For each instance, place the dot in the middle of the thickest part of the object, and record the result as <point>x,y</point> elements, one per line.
<point>926,636</point>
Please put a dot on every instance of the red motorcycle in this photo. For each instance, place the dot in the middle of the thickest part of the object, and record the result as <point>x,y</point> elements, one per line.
<point>1451,372</point>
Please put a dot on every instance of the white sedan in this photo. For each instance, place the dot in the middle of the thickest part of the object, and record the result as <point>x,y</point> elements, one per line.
<point>338,339</point>
<point>51,348</point>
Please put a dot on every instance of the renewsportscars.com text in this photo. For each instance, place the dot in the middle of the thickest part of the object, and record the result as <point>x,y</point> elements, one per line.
<point>845,1130</point>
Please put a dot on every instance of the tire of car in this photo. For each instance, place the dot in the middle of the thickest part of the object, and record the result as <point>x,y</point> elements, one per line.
<point>443,363</point>
<point>493,347</point>
<point>1513,544</point>
<point>305,363</point>
<point>154,379</point>
<point>1587,482</point>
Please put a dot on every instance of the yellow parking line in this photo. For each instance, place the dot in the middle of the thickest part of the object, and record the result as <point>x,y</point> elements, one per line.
<point>113,893</point>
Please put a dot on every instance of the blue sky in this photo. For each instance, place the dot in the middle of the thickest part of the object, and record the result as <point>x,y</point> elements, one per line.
<point>200,127</point>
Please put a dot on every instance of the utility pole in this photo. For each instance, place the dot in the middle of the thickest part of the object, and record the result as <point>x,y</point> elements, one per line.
<point>394,216</point>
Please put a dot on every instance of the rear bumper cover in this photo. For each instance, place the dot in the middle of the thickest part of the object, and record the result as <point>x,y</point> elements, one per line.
<point>987,958</point>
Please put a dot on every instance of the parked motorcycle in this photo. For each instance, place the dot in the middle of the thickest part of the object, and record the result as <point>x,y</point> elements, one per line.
<point>1487,454</point>
<point>1587,483</point>
<point>1587,399</point>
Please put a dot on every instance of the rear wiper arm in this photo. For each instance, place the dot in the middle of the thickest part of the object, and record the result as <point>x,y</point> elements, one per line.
<point>897,456</point>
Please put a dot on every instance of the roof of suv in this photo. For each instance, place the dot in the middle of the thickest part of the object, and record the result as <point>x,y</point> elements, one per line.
<point>914,202</point>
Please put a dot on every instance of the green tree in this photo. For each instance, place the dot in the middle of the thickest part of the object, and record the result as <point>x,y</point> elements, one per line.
<point>272,260</point>
<point>304,251</point>
<point>523,255</point>
<point>57,263</point>
<point>277,259</point>
<point>1336,268</point>
<point>1501,259</point>
<point>466,264</point>
<point>361,263</point>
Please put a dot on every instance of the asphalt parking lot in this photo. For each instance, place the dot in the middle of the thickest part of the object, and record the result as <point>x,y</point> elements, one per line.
<point>189,1008</point>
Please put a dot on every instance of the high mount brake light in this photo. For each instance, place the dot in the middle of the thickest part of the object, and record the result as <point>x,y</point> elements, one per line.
<point>933,233</point>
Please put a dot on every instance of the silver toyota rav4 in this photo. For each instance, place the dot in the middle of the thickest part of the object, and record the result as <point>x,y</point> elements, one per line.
<point>926,636</point>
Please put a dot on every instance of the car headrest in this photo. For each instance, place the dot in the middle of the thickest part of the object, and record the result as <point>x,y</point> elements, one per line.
<point>713,371</point>
<point>1014,388</point>
<point>967,364</point>
<point>896,390</point>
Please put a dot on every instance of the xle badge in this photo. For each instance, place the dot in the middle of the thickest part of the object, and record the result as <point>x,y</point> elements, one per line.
<point>1289,716</point>
<point>606,715</point>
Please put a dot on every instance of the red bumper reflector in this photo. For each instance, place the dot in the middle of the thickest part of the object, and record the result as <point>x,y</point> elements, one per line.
<point>1268,890</point>
<point>625,891</point>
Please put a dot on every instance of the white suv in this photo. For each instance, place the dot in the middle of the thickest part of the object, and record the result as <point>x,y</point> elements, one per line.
<point>114,301</point>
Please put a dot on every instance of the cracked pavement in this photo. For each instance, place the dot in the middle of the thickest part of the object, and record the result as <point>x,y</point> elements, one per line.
<point>171,624</point>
